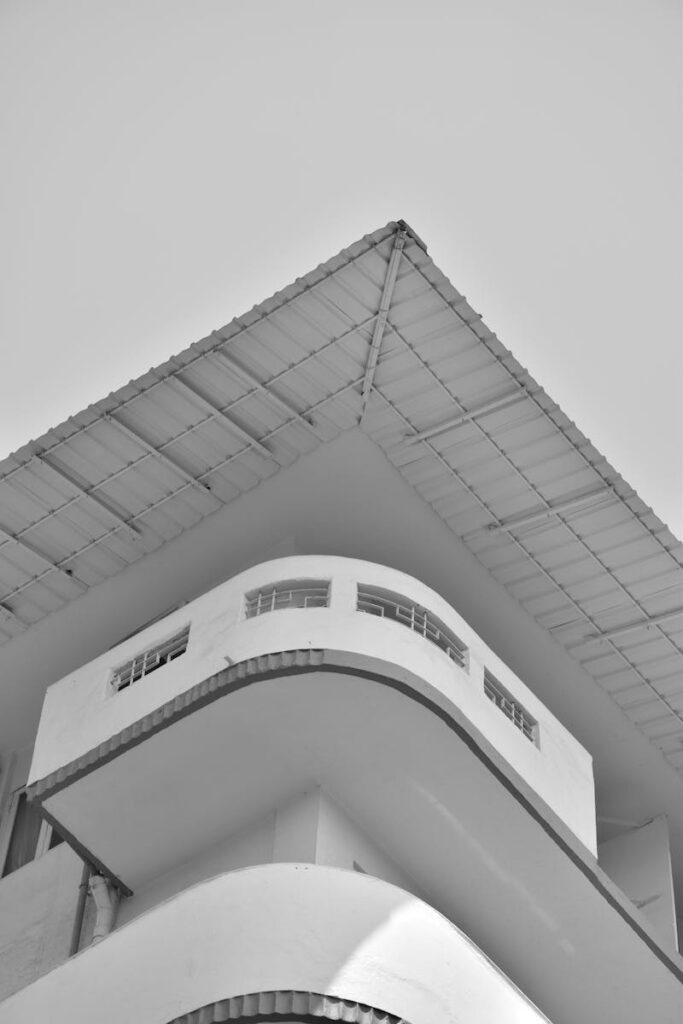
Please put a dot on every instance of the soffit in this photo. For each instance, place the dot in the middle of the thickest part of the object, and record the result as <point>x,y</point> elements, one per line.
<point>377,335</point>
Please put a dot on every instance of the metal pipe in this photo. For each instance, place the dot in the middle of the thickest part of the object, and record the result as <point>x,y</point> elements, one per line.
<point>106,900</point>
<point>80,910</point>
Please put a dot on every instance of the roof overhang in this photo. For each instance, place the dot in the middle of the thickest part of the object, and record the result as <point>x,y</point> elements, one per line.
<point>375,338</point>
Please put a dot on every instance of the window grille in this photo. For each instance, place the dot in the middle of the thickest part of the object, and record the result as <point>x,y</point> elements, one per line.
<point>377,601</point>
<point>504,700</point>
<point>150,660</point>
<point>288,594</point>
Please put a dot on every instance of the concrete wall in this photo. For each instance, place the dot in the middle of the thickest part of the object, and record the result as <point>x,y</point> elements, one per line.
<point>248,847</point>
<point>37,911</point>
<point>310,828</point>
<point>341,843</point>
<point>81,711</point>
<point>283,926</point>
<point>37,901</point>
<point>639,861</point>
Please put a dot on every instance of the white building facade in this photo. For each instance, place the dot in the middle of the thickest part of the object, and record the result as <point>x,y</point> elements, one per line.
<point>341,680</point>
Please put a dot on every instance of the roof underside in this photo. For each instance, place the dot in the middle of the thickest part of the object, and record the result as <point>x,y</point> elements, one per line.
<point>376,336</point>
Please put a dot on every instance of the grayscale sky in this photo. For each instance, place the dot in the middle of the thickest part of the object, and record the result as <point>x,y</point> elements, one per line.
<point>169,163</point>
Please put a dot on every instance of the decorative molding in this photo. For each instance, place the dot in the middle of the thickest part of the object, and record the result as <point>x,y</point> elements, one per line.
<point>290,1005</point>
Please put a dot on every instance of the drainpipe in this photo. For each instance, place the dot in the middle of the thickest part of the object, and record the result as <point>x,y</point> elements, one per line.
<point>80,911</point>
<point>106,899</point>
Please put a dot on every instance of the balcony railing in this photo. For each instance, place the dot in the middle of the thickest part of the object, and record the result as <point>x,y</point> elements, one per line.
<point>289,594</point>
<point>150,660</point>
<point>388,605</point>
<point>518,715</point>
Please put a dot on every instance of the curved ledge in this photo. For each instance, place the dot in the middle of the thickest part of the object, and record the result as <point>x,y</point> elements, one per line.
<point>282,927</point>
<point>251,670</point>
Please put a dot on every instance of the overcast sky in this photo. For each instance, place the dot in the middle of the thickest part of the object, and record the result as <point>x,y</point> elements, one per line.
<point>168,164</point>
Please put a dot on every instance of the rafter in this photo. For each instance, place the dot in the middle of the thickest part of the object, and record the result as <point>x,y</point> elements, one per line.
<point>524,519</point>
<point>37,553</point>
<point>464,417</point>
<point>177,468</point>
<point>382,314</point>
<point>130,528</point>
<point>241,373</point>
<point>652,620</point>
<point>217,413</point>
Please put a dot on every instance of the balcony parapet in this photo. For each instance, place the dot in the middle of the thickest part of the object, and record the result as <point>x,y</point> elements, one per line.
<point>370,613</point>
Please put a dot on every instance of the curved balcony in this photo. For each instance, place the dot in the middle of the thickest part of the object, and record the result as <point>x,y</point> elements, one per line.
<point>281,928</point>
<point>303,671</point>
<point>369,620</point>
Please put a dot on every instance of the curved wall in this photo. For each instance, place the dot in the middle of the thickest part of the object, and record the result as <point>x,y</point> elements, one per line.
<point>283,926</point>
<point>82,711</point>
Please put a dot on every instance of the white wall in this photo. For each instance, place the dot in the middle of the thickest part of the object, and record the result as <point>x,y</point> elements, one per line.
<point>342,843</point>
<point>248,847</point>
<point>284,926</point>
<point>37,911</point>
<point>639,861</point>
<point>309,828</point>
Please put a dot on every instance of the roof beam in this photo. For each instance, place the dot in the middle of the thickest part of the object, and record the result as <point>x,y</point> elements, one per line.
<point>68,573</point>
<point>239,371</point>
<point>381,321</point>
<point>177,468</point>
<point>130,528</point>
<point>217,413</point>
<point>652,620</point>
<point>550,510</point>
<point>467,415</point>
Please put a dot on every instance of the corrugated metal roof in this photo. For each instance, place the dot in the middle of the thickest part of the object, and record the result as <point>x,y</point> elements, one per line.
<point>376,336</point>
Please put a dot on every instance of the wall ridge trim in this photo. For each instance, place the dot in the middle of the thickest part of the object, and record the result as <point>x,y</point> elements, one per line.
<point>275,1005</point>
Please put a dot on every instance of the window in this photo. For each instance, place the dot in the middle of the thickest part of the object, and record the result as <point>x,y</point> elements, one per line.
<point>150,660</point>
<point>377,601</point>
<point>504,700</point>
<point>288,594</point>
<point>30,836</point>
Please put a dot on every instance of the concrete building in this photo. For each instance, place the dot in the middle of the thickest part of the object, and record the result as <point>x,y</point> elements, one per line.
<point>341,679</point>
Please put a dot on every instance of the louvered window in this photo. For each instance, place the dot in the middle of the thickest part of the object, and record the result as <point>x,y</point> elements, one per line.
<point>288,594</point>
<point>388,605</point>
<point>510,707</point>
<point>150,660</point>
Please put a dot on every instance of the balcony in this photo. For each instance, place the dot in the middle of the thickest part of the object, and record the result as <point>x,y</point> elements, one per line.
<point>287,929</point>
<point>294,672</point>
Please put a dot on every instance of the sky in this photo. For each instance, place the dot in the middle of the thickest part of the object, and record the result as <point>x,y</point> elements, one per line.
<point>167,164</point>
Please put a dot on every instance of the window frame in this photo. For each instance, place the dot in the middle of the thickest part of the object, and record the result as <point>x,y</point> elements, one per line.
<point>255,601</point>
<point>523,720</point>
<point>416,617</point>
<point>182,634</point>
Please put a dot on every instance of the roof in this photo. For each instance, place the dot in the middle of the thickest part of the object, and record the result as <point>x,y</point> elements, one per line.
<point>377,336</point>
